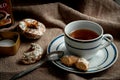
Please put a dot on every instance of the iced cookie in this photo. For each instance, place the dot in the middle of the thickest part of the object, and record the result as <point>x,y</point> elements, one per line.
<point>31,29</point>
<point>33,55</point>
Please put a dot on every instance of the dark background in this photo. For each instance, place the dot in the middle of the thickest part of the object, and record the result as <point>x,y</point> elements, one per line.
<point>70,3</point>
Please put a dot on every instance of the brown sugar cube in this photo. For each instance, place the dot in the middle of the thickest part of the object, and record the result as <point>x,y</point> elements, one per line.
<point>69,60</point>
<point>82,64</point>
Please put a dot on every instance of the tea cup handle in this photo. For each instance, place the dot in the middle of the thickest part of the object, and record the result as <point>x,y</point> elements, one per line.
<point>108,40</point>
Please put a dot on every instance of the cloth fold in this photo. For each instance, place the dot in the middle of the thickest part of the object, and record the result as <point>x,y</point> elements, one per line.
<point>55,16</point>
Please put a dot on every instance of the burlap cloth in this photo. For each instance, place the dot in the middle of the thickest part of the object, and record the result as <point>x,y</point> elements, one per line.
<point>55,16</point>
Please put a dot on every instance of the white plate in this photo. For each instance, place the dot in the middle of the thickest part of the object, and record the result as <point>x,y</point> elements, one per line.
<point>104,58</point>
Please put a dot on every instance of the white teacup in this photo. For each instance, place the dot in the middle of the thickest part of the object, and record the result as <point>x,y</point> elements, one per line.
<point>86,48</point>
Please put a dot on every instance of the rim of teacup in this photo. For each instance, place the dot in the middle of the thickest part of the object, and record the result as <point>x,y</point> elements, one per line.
<point>78,40</point>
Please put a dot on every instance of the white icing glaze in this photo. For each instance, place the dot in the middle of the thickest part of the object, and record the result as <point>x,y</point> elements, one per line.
<point>32,56</point>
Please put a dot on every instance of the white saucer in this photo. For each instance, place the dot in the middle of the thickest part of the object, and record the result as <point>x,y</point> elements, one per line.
<point>104,58</point>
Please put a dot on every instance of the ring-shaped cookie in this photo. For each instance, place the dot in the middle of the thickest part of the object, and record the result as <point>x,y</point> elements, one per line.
<point>31,28</point>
